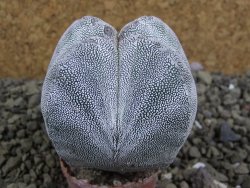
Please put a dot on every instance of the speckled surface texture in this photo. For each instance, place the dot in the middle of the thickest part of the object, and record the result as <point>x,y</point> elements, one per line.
<point>215,33</point>
<point>126,100</point>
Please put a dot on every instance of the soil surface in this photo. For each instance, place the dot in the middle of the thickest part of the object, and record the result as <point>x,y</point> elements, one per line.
<point>216,154</point>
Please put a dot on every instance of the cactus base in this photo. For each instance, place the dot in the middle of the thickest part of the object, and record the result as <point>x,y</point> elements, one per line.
<point>74,182</point>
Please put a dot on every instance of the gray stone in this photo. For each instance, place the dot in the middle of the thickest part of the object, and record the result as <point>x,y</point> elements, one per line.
<point>12,185</point>
<point>19,102</point>
<point>217,175</point>
<point>214,151</point>
<point>46,179</point>
<point>39,168</point>
<point>203,151</point>
<point>201,88</point>
<point>241,130</point>
<point>34,113</point>
<point>226,165</point>
<point>166,176</point>
<point>46,169</point>
<point>184,184</point>
<point>50,161</point>
<point>32,186</point>
<point>20,133</point>
<point>32,125</point>
<point>31,88</point>
<point>246,96</point>
<point>187,173</point>
<point>228,99</point>
<point>2,160</point>
<point>37,137</point>
<point>37,160</point>
<point>26,144</point>
<point>201,178</point>
<point>178,177</point>
<point>240,179</point>
<point>25,156</point>
<point>246,182</point>
<point>194,152</point>
<point>224,113</point>
<point>13,120</point>
<point>45,145</point>
<point>33,175</point>
<point>227,134</point>
<point>205,77</point>
<point>170,185</point>
<point>34,100</point>
<point>28,164</point>
<point>242,169</point>
<point>21,185</point>
<point>9,102</point>
<point>238,156</point>
<point>4,148</point>
<point>26,178</point>
<point>11,163</point>
<point>196,141</point>
<point>2,128</point>
<point>247,122</point>
<point>22,167</point>
<point>236,115</point>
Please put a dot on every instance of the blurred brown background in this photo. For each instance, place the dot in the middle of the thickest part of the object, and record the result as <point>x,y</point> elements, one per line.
<point>215,33</point>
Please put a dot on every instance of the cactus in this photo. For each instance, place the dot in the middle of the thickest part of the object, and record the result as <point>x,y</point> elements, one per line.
<point>118,101</point>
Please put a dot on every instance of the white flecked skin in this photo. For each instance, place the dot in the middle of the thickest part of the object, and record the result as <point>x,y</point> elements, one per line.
<point>118,102</point>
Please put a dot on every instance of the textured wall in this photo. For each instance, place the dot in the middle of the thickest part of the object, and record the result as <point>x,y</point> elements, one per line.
<point>215,32</point>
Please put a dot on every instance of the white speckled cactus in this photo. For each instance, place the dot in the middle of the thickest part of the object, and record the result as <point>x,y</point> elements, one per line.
<point>118,102</point>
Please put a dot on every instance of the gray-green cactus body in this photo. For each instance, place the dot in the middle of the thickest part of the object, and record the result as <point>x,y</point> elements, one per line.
<point>118,102</point>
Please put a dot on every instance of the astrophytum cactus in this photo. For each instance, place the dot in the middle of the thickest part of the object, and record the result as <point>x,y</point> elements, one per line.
<point>118,102</point>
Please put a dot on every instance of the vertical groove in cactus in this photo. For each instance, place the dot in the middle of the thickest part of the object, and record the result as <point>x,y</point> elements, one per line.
<point>118,101</point>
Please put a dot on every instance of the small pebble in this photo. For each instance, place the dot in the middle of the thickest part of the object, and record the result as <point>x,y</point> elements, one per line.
<point>170,185</point>
<point>184,184</point>
<point>242,169</point>
<point>227,134</point>
<point>194,152</point>
<point>11,163</point>
<point>205,77</point>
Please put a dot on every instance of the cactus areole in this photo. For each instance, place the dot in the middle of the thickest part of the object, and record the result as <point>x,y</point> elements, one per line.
<point>118,101</point>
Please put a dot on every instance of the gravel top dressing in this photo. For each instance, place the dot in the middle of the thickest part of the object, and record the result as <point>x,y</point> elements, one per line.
<point>216,154</point>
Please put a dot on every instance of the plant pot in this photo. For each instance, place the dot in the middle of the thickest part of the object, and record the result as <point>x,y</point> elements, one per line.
<point>73,182</point>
